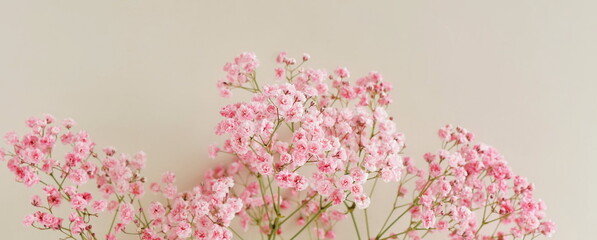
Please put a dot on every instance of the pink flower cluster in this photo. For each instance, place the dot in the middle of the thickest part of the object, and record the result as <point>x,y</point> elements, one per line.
<point>306,152</point>
<point>203,213</point>
<point>468,186</point>
<point>311,140</point>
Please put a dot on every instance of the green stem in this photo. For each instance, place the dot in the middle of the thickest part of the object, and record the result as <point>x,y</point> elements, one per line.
<point>367,224</point>
<point>396,220</point>
<point>276,206</point>
<point>143,212</point>
<point>414,202</point>
<point>263,196</point>
<point>391,212</point>
<point>354,222</point>
<point>235,233</point>
<point>321,210</point>
<point>113,220</point>
<point>297,209</point>
<point>366,214</point>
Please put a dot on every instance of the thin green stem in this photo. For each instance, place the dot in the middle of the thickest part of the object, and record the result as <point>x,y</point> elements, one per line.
<point>367,224</point>
<point>391,212</point>
<point>297,209</point>
<point>354,222</point>
<point>113,220</point>
<point>366,214</point>
<point>321,210</point>
<point>263,196</point>
<point>396,220</point>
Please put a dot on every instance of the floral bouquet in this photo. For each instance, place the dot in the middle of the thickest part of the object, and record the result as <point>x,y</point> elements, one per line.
<point>304,154</point>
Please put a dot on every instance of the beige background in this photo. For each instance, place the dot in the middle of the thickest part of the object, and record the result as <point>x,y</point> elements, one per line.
<point>142,74</point>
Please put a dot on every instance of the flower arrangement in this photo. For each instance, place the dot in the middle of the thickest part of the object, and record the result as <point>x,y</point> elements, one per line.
<point>306,153</point>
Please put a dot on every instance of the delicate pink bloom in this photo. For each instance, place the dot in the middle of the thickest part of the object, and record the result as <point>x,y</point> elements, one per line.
<point>345,182</point>
<point>362,201</point>
<point>126,213</point>
<point>33,156</point>
<point>280,72</point>
<point>434,169</point>
<point>426,200</point>
<point>49,220</point>
<point>300,182</point>
<point>29,178</point>
<point>78,202</point>
<point>356,189</point>
<point>330,234</point>
<point>441,225</point>
<point>168,177</point>
<point>137,189</point>
<point>183,230</point>
<point>156,210</point>
<point>48,119</point>
<point>139,160</point>
<point>109,151</point>
<point>155,187</point>
<point>99,206</point>
<point>388,174</point>
<point>444,132</point>
<point>429,157</point>
<point>265,168</point>
<point>428,219</point>
<point>170,191</point>
<point>113,205</point>
<point>337,197</point>
<point>461,213</point>
<point>306,57</point>
<point>29,220</point>
<point>48,165</point>
<point>11,138</point>
<point>548,228</point>
<point>455,160</point>
<point>67,138</point>
<point>281,57</point>
<point>289,61</point>
<point>285,158</point>
<point>78,177</point>
<point>36,201</point>
<point>68,123</point>
<point>213,151</point>
<point>358,175</point>
<point>516,232</point>
<point>342,72</point>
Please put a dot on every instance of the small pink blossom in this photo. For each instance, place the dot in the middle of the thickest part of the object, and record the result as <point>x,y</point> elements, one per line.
<point>78,202</point>
<point>183,230</point>
<point>281,57</point>
<point>79,177</point>
<point>342,72</point>
<point>280,72</point>
<point>29,220</point>
<point>156,210</point>
<point>99,206</point>
<point>362,201</point>
<point>68,123</point>
<point>36,201</point>
<point>168,177</point>
<point>428,219</point>
<point>126,213</point>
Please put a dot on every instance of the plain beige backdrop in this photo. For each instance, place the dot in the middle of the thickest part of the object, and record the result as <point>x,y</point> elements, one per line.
<point>141,75</point>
